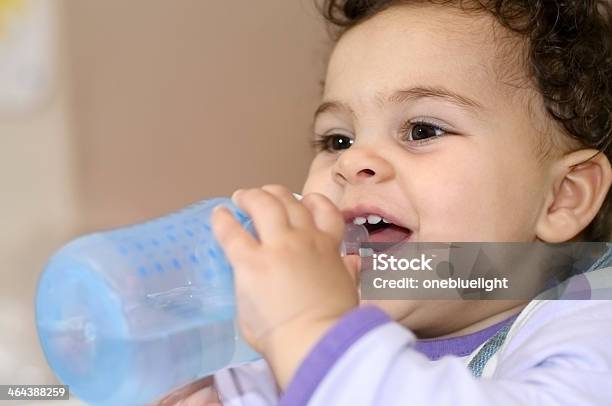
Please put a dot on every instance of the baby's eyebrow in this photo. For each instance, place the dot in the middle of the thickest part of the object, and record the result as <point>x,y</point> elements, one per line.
<point>415,93</point>
<point>411,94</point>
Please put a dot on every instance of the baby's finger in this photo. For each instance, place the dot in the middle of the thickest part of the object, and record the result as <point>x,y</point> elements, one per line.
<point>236,242</point>
<point>267,212</point>
<point>299,215</point>
<point>326,215</point>
<point>353,265</point>
<point>194,393</point>
<point>204,397</point>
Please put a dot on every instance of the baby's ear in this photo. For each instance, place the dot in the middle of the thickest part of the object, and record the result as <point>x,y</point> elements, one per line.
<point>581,180</point>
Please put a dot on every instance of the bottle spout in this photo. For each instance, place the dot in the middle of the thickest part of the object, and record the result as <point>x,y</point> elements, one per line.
<point>354,235</point>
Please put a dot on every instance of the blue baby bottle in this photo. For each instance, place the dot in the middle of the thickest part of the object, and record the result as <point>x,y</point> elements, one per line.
<point>125,316</point>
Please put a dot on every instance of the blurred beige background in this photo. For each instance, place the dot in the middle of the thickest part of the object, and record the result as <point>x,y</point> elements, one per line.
<point>149,106</point>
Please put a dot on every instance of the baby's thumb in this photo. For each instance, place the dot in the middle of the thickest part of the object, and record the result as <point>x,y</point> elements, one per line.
<point>353,265</point>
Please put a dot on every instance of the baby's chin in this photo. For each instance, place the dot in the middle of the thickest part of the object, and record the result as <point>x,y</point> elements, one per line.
<point>425,318</point>
<point>398,310</point>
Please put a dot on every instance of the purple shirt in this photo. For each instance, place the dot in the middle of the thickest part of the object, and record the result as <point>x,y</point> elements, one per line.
<point>253,384</point>
<point>460,346</point>
<point>556,353</point>
<point>350,329</point>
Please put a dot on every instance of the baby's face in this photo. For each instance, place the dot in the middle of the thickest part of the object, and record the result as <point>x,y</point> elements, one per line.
<point>422,123</point>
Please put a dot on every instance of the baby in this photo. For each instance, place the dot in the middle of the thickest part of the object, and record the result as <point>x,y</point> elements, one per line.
<point>452,121</point>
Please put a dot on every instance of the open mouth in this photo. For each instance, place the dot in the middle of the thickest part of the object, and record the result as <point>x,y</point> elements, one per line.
<point>382,229</point>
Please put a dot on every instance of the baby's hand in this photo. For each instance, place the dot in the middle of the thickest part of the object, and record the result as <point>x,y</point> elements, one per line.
<point>291,285</point>
<point>199,393</point>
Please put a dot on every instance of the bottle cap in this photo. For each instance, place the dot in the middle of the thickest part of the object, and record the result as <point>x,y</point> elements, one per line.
<point>354,235</point>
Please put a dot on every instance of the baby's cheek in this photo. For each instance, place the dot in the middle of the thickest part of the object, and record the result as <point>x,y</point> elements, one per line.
<point>476,214</point>
<point>311,186</point>
<point>321,184</point>
<point>314,181</point>
<point>452,212</point>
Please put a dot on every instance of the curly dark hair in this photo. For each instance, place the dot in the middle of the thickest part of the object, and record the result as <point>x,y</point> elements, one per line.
<point>569,59</point>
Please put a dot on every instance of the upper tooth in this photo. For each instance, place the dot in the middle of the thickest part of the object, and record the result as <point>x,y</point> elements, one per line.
<point>359,220</point>
<point>386,221</point>
<point>374,219</point>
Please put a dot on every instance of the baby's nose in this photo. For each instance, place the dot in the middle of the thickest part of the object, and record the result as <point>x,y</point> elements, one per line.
<point>360,165</point>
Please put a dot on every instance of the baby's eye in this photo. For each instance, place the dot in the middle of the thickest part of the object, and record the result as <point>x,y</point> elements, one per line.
<point>421,131</point>
<point>333,142</point>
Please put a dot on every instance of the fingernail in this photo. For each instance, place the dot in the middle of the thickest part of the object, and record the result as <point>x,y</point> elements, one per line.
<point>219,208</point>
<point>236,193</point>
